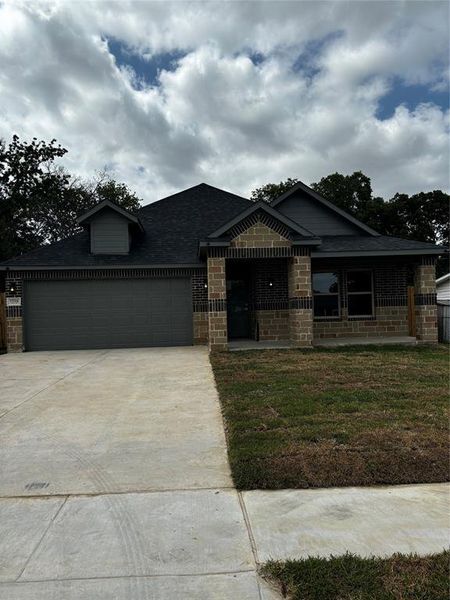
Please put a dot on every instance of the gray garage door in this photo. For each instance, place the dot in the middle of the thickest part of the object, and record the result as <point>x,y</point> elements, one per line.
<point>125,313</point>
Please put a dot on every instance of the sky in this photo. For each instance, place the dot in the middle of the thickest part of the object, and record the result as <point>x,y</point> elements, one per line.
<point>164,95</point>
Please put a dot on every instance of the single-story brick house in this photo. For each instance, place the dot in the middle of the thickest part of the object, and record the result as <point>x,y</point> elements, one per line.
<point>207,266</point>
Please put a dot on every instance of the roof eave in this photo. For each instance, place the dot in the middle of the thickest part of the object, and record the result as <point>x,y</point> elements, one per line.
<point>356,253</point>
<point>101,267</point>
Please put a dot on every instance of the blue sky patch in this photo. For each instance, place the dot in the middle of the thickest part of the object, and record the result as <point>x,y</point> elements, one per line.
<point>410,96</point>
<point>306,61</point>
<point>256,57</point>
<point>147,69</point>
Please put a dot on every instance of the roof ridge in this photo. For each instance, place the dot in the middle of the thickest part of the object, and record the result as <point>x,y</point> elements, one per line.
<point>198,185</point>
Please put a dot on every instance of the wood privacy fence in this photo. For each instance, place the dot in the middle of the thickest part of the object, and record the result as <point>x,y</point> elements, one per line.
<point>411,312</point>
<point>443,310</point>
<point>2,323</point>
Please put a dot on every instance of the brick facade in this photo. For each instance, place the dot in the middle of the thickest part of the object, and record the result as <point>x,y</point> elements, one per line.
<point>426,308</point>
<point>281,302</point>
<point>217,295</point>
<point>300,301</point>
<point>14,328</point>
<point>388,321</point>
<point>260,236</point>
<point>273,325</point>
<point>14,334</point>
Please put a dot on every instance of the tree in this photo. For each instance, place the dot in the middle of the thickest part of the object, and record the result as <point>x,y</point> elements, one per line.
<point>24,179</point>
<point>270,191</point>
<point>353,193</point>
<point>40,201</point>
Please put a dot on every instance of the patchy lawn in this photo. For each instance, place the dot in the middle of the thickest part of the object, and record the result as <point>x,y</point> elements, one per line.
<point>348,577</point>
<point>335,417</point>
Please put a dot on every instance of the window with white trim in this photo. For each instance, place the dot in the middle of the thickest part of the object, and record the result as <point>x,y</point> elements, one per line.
<point>325,295</point>
<point>360,293</point>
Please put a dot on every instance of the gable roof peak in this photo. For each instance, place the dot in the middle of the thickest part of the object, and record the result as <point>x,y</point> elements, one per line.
<point>263,207</point>
<point>88,215</point>
<point>300,186</point>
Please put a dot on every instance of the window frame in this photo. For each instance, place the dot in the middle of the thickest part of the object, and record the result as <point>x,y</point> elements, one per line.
<point>338,294</point>
<point>372,293</point>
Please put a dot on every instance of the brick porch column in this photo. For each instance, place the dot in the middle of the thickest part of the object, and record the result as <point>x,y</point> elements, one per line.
<point>217,304</point>
<point>425,301</point>
<point>300,300</point>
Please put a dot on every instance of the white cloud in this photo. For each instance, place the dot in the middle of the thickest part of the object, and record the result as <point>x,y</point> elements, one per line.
<point>218,117</point>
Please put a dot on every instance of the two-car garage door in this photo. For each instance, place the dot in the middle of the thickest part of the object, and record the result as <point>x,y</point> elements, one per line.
<point>120,313</point>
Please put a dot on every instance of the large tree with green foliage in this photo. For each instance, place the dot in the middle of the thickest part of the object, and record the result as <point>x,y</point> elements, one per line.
<point>39,201</point>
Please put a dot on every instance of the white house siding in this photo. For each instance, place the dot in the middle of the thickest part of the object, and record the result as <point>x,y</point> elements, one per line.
<point>443,289</point>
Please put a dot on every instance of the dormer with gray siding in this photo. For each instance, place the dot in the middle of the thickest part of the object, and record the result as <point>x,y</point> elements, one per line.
<point>109,233</point>
<point>110,228</point>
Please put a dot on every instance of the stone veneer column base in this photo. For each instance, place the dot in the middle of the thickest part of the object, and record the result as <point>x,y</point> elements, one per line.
<point>300,301</point>
<point>217,305</point>
<point>426,324</point>
<point>300,327</point>
<point>426,308</point>
<point>200,323</point>
<point>218,341</point>
<point>14,334</point>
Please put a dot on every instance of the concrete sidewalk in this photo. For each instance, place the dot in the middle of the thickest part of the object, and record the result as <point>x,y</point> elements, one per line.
<point>362,520</point>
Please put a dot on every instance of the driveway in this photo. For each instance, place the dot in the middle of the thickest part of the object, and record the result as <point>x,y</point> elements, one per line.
<point>114,479</point>
<point>88,422</point>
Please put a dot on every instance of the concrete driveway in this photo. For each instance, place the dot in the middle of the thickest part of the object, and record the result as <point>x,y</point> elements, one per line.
<point>114,479</point>
<point>87,422</point>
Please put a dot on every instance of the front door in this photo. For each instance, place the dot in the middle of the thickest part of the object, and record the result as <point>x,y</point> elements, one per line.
<point>238,309</point>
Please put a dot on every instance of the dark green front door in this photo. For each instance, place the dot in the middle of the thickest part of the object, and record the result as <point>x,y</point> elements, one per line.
<point>238,309</point>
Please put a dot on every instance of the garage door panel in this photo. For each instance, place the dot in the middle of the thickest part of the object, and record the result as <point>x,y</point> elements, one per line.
<point>107,313</point>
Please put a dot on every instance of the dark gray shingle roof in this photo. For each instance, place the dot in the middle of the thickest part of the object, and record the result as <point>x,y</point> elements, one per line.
<point>174,226</point>
<point>365,243</point>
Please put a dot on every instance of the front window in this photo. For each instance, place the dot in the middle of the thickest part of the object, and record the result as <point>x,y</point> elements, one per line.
<point>325,295</point>
<point>360,293</point>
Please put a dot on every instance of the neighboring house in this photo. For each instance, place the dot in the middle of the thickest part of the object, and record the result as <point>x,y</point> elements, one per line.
<point>443,288</point>
<point>205,265</point>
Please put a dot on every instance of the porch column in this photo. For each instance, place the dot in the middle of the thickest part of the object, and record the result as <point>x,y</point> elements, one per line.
<point>300,300</point>
<point>217,304</point>
<point>425,301</point>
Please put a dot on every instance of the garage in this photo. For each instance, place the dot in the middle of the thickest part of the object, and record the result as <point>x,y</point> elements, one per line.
<point>107,313</point>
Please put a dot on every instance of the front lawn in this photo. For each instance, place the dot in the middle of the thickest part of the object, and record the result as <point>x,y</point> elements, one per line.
<point>348,577</point>
<point>335,417</point>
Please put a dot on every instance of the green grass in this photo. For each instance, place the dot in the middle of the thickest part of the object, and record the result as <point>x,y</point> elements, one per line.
<point>335,417</point>
<point>348,577</point>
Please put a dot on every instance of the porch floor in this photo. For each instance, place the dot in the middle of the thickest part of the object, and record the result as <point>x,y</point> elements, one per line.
<point>238,345</point>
